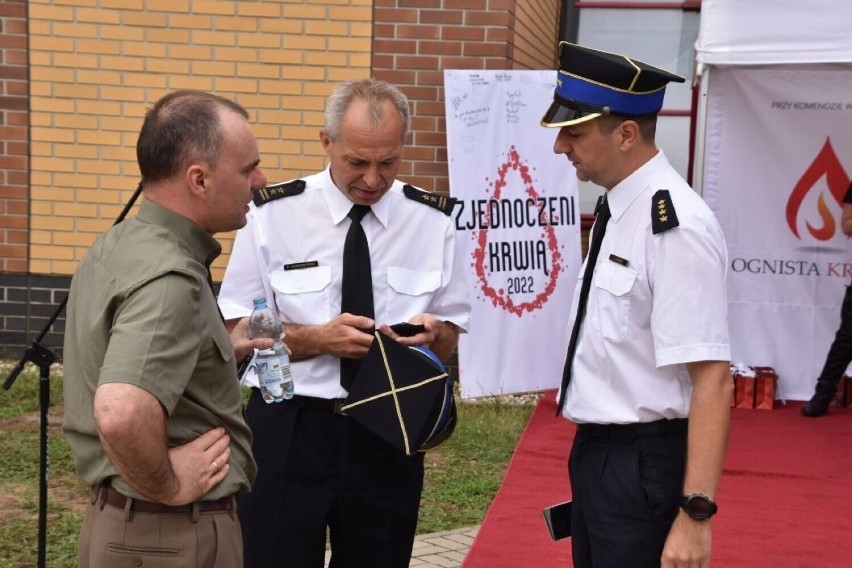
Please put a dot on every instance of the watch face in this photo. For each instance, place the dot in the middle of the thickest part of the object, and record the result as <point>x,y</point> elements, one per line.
<point>699,506</point>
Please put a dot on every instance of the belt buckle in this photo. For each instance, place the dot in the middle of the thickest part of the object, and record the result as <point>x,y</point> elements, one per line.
<point>338,405</point>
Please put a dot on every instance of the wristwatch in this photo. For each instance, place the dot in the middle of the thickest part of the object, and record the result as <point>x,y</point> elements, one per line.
<point>698,506</point>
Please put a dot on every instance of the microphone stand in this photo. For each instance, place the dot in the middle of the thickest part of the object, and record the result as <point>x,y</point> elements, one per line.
<point>43,357</point>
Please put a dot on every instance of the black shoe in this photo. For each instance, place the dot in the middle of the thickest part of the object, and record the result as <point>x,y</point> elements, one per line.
<point>818,404</point>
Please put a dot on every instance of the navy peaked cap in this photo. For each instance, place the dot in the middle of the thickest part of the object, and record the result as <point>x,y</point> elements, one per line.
<point>591,82</point>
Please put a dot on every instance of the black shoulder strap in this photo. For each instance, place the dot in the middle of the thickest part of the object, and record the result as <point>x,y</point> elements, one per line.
<point>278,190</point>
<point>663,216</point>
<point>439,202</point>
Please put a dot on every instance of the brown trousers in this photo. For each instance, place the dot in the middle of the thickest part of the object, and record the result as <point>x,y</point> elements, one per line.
<point>114,538</point>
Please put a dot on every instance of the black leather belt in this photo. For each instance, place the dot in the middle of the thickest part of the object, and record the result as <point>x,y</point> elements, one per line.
<point>112,497</point>
<point>332,405</point>
<point>628,432</point>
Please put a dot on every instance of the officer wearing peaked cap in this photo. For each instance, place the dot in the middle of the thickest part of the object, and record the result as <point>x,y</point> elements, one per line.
<point>646,377</point>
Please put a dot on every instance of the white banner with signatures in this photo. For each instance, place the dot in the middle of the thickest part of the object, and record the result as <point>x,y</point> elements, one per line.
<point>517,223</point>
<point>777,165</point>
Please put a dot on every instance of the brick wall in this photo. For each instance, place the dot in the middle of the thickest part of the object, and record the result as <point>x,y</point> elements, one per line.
<point>95,69</point>
<point>13,136</point>
<point>416,40</point>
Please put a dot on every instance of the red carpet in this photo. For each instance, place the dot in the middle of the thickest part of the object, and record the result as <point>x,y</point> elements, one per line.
<point>785,499</point>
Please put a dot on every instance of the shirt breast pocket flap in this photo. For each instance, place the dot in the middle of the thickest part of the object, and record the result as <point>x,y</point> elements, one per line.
<point>301,281</point>
<point>223,392</point>
<point>614,283</point>
<point>413,282</point>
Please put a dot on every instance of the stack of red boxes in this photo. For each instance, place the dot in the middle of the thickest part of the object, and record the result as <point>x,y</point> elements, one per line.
<point>754,387</point>
<point>843,396</point>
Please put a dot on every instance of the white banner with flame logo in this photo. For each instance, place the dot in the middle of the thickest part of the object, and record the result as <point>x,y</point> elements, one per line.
<point>518,223</point>
<point>777,165</point>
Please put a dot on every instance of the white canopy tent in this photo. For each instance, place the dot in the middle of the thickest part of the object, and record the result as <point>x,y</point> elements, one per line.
<point>773,160</point>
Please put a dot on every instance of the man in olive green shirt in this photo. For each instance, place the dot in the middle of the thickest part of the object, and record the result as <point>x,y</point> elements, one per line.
<point>153,408</point>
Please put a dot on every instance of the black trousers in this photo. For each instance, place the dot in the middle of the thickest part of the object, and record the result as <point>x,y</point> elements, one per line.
<point>318,472</point>
<point>626,490</point>
<point>840,352</point>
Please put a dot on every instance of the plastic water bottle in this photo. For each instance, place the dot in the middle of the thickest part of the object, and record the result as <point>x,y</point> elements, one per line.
<point>273,365</point>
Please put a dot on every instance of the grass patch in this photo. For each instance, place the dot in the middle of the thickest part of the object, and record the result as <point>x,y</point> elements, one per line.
<point>462,475</point>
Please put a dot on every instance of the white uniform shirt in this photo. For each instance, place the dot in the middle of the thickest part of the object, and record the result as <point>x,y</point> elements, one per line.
<point>667,307</point>
<point>291,251</point>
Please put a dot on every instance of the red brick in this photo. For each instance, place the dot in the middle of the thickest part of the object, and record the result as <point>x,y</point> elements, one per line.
<point>419,153</point>
<point>499,34</point>
<point>13,133</point>
<point>13,192</point>
<point>384,30</point>
<point>17,237</point>
<point>439,48</point>
<point>430,139</point>
<point>430,168</point>
<point>383,61</point>
<point>431,77</point>
<point>15,265</point>
<point>15,42</point>
<point>420,3</point>
<point>395,15</point>
<point>13,221</point>
<point>416,62</point>
<point>442,185</point>
<point>485,49</point>
<point>441,17</point>
<point>14,9</point>
<point>418,32</point>
<point>497,64</point>
<point>13,162</point>
<point>395,76</point>
<point>423,123</point>
<point>17,207</point>
<point>13,103</point>
<point>394,46</point>
<point>17,148</point>
<point>462,33</point>
<point>466,4</point>
<point>17,177</point>
<point>472,18</point>
<point>430,109</point>
<point>462,63</point>
<point>421,93</point>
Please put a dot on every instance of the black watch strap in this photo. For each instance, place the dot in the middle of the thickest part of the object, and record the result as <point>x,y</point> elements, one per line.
<point>698,506</point>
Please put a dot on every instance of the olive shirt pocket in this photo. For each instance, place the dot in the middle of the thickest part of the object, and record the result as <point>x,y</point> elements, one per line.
<point>303,295</point>
<point>223,391</point>
<point>614,283</point>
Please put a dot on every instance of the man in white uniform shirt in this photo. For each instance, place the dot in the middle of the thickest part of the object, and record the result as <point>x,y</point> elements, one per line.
<point>318,469</point>
<point>647,377</point>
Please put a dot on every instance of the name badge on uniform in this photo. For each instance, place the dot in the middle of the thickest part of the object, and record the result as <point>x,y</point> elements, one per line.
<point>619,260</point>
<point>301,265</point>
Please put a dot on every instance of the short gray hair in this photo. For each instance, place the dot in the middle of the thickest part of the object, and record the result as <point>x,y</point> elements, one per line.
<point>374,92</point>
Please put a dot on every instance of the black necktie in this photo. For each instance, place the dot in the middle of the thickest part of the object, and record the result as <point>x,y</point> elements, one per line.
<point>357,295</point>
<point>602,215</point>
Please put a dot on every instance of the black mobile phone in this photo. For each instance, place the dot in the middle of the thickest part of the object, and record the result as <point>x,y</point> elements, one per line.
<point>558,519</point>
<point>406,329</point>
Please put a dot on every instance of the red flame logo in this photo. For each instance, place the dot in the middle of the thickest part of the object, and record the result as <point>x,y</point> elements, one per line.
<point>498,296</point>
<point>825,164</point>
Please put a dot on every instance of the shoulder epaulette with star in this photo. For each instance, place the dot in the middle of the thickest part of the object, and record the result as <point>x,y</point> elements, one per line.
<point>663,216</point>
<point>278,190</point>
<point>439,202</point>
